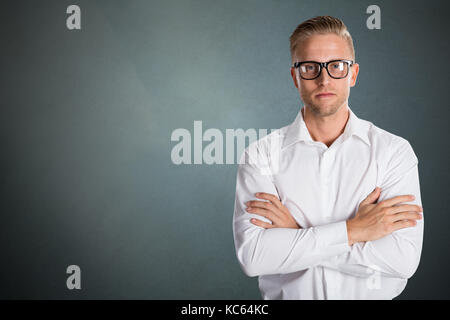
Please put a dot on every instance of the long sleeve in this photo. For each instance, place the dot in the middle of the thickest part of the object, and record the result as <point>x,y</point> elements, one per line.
<point>278,250</point>
<point>398,254</point>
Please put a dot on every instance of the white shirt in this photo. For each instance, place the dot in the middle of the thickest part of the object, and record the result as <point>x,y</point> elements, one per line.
<point>322,187</point>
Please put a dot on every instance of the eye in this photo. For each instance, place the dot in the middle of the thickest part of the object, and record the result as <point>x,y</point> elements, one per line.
<point>338,66</point>
<point>308,68</point>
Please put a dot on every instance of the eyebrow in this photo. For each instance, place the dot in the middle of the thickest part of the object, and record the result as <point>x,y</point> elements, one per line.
<point>327,60</point>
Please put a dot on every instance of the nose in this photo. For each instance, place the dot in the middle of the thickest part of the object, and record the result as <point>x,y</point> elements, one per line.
<point>324,77</point>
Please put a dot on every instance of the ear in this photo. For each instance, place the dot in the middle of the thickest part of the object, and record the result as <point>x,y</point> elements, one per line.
<point>294,77</point>
<point>354,74</point>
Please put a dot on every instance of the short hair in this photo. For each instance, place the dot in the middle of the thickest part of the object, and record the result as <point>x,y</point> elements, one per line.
<point>320,25</point>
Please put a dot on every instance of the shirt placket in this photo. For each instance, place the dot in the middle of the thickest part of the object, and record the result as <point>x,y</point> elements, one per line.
<point>326,169</point>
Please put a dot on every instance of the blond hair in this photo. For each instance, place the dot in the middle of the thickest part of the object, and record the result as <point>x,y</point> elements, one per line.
<point>320,25</point>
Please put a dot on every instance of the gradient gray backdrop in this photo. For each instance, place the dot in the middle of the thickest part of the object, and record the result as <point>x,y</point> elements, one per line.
<point>87,116</point>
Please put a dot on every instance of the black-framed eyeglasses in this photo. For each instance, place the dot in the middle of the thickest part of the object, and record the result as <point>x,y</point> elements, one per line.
<point>337,69</point>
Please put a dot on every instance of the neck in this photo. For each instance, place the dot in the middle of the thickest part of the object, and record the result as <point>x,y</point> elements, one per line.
<point>326,129</point>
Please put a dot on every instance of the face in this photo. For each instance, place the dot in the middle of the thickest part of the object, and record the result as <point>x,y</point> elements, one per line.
<point>323,48</point>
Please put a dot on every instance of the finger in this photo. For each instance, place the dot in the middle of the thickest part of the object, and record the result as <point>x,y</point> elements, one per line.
<point>264,205</point>
<point>406,216</point>
<point>398,199</point>
<point>404,208</point>
<point>264,213</point>
<point>403,224</point>
<point>260,204</point>
<point>372,197</point>
<point>271,197</point>
<point>262,224</point>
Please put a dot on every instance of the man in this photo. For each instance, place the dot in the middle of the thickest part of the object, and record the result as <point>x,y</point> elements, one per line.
<point>333,211</point>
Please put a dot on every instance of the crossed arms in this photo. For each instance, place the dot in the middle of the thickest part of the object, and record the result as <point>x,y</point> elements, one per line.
<point>282,246</point>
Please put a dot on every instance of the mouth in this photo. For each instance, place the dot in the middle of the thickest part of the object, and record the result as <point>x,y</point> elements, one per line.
<point>324,95</point>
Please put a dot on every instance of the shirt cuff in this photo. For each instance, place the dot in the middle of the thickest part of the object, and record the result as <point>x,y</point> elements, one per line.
<point>333,237</point>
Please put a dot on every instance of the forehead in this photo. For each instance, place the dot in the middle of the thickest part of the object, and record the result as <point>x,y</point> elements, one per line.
<point>322,48</point>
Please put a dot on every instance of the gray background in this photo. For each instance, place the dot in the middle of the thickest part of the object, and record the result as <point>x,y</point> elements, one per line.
<point>86,120</point>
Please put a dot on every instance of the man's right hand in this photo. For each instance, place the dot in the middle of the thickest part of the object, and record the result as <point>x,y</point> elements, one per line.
<point>376,220</point>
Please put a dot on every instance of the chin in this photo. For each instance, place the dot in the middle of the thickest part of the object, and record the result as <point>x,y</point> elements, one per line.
<point>325,109</point>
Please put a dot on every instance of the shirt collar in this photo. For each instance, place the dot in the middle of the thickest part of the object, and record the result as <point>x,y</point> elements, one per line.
<point>297,130</point>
